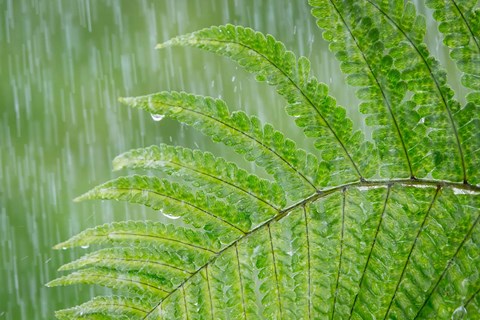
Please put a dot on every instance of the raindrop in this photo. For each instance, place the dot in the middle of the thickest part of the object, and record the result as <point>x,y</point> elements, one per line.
<point>64,248</point>
<point>85,246</point>
<point>459,313</point>
<point>171,216</point>
<point>157,117</point>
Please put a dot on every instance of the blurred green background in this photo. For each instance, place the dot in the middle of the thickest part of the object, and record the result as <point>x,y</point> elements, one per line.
<point>63,65</point>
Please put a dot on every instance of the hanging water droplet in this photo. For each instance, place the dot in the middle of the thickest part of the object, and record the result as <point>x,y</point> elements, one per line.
<point>459,313</point>
<point>64,248</point>
<point>171,216</point>
<point>157,117</point>
<point>85,246</point>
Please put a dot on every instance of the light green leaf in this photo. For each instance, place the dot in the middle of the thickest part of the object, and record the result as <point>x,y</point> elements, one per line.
<point>246,135</point>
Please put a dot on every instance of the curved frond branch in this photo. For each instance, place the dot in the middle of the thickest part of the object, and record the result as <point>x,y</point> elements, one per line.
<point>205,171</point>
<point>377,57</point>
<point>267,58</point>
<point>130,231</point>
<point>133,307</point>
<point>99,258</point>
<point>129,282</point>
<point>371,71</point>
<point>293,168</point>
<point>423,54</point>
<point>160,194</point>
<point>382,90</point>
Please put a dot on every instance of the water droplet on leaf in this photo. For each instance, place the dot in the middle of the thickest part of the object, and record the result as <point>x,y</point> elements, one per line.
<point>459,313</point>
<point>171,216</point>
<point>157,117</point>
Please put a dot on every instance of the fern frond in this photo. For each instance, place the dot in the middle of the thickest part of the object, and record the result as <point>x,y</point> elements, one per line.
<point>131,231</point>
<point>296,171</point>
<point>259,198</point>
<point>314,110</point>
<point>149,287</point>
<point>111,307</point>
<point>172,266</point>
<point>344,245</point>
<point>197,209</point>
<point>382,43</point>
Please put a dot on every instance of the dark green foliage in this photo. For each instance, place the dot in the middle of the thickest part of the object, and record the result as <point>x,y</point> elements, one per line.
<point>383,229</point>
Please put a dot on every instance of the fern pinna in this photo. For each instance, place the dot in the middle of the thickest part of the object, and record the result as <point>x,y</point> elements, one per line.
<point>377,225</point>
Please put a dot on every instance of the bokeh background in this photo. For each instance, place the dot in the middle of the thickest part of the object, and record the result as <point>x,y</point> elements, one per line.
<point>63,65</point>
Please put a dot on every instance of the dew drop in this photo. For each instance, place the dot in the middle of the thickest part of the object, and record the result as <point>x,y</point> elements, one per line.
<point>64,248</point>
<point>157,117</point>
<point>85,246</point>
<point>169,216</point>
<point>459,313</point>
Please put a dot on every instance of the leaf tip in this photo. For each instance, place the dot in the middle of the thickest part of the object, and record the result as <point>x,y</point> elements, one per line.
<point>126,100</point>
<point>53,283</point>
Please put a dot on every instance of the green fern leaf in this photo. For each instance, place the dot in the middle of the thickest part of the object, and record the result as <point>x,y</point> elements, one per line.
<point>314,110</point>
<point>148,286</point>
<point>170,265</point>
<point>417,133</point>
<point>260,143</point>
<point>260,198</point>
<point>113,307</point>
<point>347,244</point>
<point>198,209</point>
